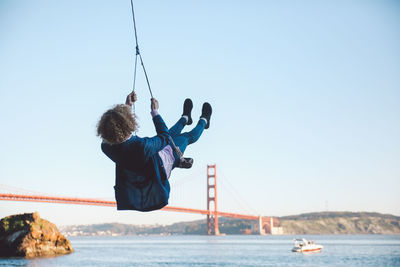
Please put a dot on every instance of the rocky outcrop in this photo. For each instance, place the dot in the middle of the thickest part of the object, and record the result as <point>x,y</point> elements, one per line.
<point>28,235</point>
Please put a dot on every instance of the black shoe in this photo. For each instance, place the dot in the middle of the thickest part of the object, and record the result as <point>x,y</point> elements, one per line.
<point>206,113</point>
<point>187,110</point>
<point>185,163</point>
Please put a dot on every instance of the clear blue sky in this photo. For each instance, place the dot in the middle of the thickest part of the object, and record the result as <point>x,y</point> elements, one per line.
<point>305,94</point>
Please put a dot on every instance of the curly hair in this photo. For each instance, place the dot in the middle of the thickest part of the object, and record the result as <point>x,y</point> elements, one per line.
<point>117,124</point>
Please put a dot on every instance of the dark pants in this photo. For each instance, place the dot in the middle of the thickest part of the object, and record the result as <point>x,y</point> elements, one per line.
<point>182,140</point>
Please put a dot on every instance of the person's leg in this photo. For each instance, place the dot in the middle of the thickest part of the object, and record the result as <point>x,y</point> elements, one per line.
<point>178,127</point>
<point>185,139</point>
<point>196,132</point>
<point>186,118</point>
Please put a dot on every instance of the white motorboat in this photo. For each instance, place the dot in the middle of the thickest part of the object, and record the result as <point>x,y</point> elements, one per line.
<point>303,245</point>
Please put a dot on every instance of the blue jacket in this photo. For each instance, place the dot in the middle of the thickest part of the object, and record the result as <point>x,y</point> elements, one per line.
<point>141,182</point>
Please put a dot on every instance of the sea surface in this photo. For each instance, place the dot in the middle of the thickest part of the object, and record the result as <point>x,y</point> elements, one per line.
<point>339,250</point>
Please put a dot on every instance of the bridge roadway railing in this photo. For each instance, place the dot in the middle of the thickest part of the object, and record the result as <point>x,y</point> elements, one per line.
<point>99,202</point>
<point>262,221</point>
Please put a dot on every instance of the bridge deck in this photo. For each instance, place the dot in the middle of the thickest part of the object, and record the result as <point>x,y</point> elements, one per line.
<point>99,202</point>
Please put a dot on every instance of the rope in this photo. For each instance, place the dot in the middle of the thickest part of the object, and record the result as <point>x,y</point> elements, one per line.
<point>180,154</point>
<point>138,54</point>
<point>134,84</point>
<point>134,75</point>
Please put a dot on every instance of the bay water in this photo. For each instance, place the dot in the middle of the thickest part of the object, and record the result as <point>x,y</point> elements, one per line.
<point>339,250</point>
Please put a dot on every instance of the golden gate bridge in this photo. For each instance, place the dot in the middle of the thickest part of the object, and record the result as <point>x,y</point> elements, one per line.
<point>262,225</point>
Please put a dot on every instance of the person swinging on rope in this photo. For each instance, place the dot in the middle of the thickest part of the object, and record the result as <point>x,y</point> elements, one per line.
<point>144,165</point>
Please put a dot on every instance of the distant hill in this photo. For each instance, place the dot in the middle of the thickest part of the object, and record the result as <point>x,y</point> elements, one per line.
<point>341,223</point>
<point>337,214</point>
<point>307,223</point>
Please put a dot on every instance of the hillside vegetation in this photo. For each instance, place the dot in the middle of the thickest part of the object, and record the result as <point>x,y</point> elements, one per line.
<point>309,223</point>
<point>341,223</point>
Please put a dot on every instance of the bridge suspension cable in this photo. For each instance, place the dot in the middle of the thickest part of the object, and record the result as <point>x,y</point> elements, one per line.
<point>13,189</point>
<point>185,179</point>
<point>235,194</point>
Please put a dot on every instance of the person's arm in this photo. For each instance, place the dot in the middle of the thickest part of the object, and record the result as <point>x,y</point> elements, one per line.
<point>158,142</point>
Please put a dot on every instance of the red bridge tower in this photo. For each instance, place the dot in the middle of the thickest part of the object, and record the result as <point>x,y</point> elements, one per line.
<point>212,220</point>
